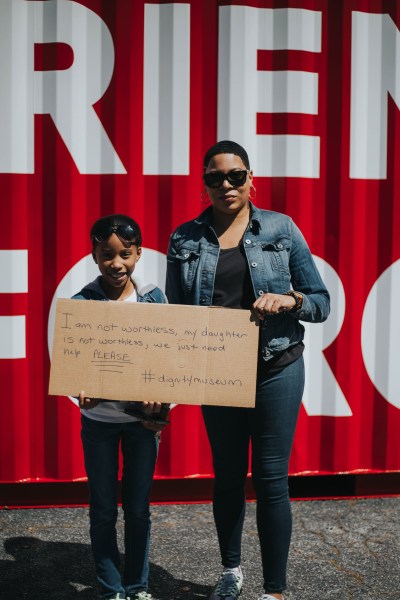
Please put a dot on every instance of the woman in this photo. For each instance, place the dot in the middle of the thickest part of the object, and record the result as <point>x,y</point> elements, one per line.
<point>236,255</point>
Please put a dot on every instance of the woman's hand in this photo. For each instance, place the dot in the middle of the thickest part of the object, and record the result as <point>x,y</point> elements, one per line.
<point>87,403</point>
<point>272,304</point>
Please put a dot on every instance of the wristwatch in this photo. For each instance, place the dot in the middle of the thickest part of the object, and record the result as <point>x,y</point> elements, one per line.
<point>298,299</point>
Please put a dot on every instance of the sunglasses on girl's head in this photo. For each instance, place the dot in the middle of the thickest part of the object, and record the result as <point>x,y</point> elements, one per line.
<point>216,178</point>
<point>125,233</point>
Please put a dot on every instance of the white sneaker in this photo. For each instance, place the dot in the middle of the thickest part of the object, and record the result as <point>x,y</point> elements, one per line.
<point>229,585</point>
<point>267,597</point>
<point>141,596</point>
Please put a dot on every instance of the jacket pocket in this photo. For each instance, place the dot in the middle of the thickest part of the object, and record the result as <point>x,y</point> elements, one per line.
<point>189,261</point>
<point>279,254</point>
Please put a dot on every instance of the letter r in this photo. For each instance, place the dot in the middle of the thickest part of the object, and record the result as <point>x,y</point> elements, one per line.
<point>67,95</point>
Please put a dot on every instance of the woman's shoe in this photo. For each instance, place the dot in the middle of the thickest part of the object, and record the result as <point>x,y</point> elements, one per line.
<point>229,585</point>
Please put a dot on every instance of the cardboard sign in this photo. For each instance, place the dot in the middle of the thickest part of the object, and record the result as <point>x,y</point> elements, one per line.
<point>154,352</point>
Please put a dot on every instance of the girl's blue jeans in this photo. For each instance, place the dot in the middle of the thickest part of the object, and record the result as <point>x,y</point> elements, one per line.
<point>270,426</point>
<point>101,442</point>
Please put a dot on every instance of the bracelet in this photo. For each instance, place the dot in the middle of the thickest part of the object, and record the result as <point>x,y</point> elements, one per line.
<point>298,299</point>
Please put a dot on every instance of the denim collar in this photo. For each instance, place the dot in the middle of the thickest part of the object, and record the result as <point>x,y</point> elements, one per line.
<point>141,289</point>
<point>206,216</point>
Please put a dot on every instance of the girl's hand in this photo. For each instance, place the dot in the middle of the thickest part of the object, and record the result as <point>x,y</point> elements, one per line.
<point>151,407</point>
<point>157,408</point>
<point>87,403</point>
<point>272,304</point>
<point>158,427</point>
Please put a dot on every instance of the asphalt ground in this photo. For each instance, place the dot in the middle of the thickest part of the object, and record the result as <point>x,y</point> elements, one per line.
<point>341,550</point>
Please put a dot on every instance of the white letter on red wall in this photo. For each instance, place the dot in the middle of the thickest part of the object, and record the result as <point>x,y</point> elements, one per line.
<point>381,334</point>
<point>243,91</point>
<point>67,95</point>
<point>166,96</point>
<point>322,393</point>
<point>375,68</point>
<point>14,280</point>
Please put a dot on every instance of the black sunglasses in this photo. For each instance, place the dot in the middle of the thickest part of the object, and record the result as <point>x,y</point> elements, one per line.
<point>216,178</point>
<point>125,233</point>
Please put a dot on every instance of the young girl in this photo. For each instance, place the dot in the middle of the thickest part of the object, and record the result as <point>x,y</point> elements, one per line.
<point>106,426</point>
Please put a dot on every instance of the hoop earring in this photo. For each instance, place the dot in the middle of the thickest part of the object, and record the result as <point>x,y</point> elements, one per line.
<point>204,199</point>
<point>255,193</point>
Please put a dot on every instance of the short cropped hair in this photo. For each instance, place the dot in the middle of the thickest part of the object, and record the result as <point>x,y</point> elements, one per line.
<point>226,147</point>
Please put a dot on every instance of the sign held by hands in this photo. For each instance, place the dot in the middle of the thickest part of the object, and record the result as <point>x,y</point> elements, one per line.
<point>154,352</point>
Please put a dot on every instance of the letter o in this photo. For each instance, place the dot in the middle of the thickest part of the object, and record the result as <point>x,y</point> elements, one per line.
<point>380,334</point>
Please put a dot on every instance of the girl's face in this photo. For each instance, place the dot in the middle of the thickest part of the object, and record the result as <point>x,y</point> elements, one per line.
<point>116,265</point>
<point>229,198</point>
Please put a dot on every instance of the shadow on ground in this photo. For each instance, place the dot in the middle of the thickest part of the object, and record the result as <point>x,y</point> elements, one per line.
<point>341,550</point>
<point>40,569</point>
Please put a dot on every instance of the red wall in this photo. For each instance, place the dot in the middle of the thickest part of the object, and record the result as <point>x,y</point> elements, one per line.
<point>350,222</point>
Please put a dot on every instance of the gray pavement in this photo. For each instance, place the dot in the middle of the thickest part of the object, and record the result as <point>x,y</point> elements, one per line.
<point>341,550</point>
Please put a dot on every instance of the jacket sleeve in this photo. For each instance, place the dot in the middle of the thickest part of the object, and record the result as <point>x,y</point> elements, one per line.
<point>80,296</point>
<point>159,296</point>
<point>173,286</point>
<point>306,279</point>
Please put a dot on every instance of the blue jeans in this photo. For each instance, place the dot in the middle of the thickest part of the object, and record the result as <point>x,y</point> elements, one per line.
<point>139,446</point>
<point>270,426</point>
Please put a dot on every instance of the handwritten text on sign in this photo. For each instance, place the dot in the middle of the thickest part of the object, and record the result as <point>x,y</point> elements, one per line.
<point>154,352</point>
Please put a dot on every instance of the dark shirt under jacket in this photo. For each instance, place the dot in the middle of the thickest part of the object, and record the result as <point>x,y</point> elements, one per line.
<point>233,289</point>
<point>232,286</point>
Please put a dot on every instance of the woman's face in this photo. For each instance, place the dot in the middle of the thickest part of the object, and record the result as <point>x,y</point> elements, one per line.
<point>229,198</point>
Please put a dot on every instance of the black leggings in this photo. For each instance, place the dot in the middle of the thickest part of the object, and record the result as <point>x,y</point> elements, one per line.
<point>270,426</point>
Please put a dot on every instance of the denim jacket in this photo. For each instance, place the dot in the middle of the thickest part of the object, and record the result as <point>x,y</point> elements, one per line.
<point>94,291</point>
<point>278,258</point>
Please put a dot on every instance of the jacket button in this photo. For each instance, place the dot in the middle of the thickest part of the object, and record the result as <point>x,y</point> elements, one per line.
<point>279,245</point>
<point>301,314</point>
<point>260,293</point>
<point>186,255</point>
<point>247,241</point>
<point>253,264</point>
